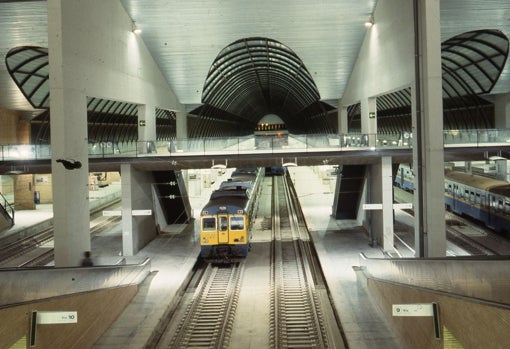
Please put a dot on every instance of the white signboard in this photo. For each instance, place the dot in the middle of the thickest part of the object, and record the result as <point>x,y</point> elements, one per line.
<point>57,317</point>
<point>406,206</point>
<point>372,206</point>
<point>133,213</point>
<point>416,309</point>
<point>141,212</point>
<point>111,213</point>
<point>379,206</point>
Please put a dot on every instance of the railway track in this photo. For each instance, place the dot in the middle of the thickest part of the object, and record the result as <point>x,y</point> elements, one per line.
<point>205,314</point>
<point>301,312</point>
<point>33,250</point>
<point>214,309</point>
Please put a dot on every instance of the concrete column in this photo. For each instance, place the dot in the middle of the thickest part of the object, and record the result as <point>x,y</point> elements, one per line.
<point>68,142</point>
<point>428,157</point>
<point>369,119</point>
<point>24,191</point>
<point>146,129</point>
<point>502,111</point>
<point>126,208</point>
<point>181,125</point>
<point>343,122</point>
<point>387,203</point>
<point>137,231</point>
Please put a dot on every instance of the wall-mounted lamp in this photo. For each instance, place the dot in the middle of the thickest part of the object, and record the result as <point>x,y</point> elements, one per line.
<point>135,29</point>
<point>369,22</point>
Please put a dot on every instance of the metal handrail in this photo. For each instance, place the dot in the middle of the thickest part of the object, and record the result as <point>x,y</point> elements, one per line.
<point>249,144</point>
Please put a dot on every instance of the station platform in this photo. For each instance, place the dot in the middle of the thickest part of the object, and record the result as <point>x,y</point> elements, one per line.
<point>173,254</point>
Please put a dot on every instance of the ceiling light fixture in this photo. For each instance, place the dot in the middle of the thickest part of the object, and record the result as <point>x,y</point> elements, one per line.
<point>369,22</point>
<point>135,29</point>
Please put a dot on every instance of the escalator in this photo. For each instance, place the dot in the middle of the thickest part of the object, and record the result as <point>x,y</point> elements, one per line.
<point>349,188</point>
<point>6,214</point>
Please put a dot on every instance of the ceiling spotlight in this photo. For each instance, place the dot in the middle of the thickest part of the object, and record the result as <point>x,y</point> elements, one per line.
<point>369,22</point>
<point>136,30</point>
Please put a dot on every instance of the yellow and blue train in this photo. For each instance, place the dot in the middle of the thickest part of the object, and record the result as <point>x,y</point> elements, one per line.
<point>226,219</point>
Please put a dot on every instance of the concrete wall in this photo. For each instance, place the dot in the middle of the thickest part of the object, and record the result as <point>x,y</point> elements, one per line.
<point>386,58</point>
<point>96,312</point>
<point>24,192</point>
<point>473,323</point>
<point>137,231</point>
<point>102,57</point>
<point>8,132</point>
<point>502,111</point>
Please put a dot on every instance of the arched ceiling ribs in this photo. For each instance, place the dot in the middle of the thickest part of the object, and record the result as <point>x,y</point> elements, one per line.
<point>253,77</point>
<point>28,66</point>
<point>477,58</point>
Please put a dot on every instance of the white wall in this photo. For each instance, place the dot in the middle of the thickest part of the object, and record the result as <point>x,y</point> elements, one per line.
<point>102,57</point>
<point>386,58</point>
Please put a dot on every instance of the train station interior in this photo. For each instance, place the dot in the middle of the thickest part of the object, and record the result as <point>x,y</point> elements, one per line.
<point>380,135</point>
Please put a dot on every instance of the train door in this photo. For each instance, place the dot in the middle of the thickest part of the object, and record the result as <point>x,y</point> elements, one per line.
<point>493,207</point>
<point>223,229</point>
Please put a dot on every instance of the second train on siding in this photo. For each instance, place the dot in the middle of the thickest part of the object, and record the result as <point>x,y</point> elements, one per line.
<point>484,199</point>
<point>226,219</point>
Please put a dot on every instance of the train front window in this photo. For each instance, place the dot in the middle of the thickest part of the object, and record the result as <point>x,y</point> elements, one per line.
<point>237,223</point>
<point>209,223</point>
<point>223,223</point>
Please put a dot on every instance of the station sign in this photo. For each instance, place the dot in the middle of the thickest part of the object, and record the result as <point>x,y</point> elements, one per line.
<point>57,317</point>
<point>403,206</point>
<point>420,309</point>
<point>416,309</point>
<point>107,213</point>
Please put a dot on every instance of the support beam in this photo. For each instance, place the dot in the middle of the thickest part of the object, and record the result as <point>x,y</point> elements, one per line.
<point>146,129</point>
<point>68,142</point>
<point>428,154</point>
<point>387,201</point>
<point>369,120</point>
<point>502,111</point>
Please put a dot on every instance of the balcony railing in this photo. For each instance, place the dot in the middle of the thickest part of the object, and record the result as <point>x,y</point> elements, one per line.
<point>262,144</point>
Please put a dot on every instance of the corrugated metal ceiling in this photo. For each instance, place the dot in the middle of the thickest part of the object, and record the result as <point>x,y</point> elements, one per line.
<point>185,37</point>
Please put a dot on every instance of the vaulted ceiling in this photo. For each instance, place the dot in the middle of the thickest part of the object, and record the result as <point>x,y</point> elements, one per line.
<point>197,44</point>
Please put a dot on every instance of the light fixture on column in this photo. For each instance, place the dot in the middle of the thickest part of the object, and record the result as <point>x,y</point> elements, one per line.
<point>136,29</point>
<point>369,22</point>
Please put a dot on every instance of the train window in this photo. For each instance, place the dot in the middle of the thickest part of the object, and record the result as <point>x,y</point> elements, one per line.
<point>471,196</point>
<point>208,223</point>
<point>223,223</point>
<point>500,205</point>
<point>237,223</point>
<point>478,200</point>
<point>466,194</point>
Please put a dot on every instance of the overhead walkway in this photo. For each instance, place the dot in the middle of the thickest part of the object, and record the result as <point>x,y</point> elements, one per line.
<point>304,150</point>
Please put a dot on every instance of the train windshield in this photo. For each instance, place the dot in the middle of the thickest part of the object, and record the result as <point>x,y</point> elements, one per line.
<point>208,223</point>
<point>223,223</point>
<point>237,223</point>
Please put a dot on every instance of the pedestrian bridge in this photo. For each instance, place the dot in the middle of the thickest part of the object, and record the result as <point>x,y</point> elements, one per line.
<point>298,150</point>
